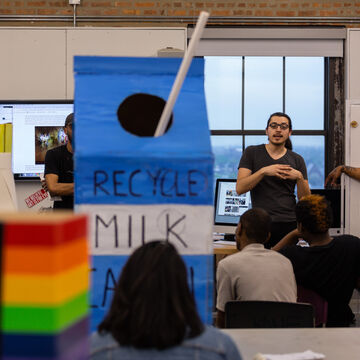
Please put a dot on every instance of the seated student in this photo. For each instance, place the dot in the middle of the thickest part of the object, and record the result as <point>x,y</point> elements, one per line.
<point>329,266</point>
<point>153,313</point>
<point>254,273</point>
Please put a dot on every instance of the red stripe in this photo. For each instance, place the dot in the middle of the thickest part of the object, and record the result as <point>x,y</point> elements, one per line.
<point>54,233</point>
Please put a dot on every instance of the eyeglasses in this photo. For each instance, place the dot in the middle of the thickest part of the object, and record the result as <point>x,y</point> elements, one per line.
<point>283,126</point>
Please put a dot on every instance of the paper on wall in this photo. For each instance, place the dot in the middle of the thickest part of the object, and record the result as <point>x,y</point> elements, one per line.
<point>306,355</point>
<point>7,185</point>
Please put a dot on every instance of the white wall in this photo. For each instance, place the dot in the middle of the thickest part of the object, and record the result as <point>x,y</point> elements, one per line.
<point>352,134</point>
<point>37,63</point>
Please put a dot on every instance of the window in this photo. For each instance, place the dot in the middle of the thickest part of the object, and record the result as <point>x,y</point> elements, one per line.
<point>241,92</point>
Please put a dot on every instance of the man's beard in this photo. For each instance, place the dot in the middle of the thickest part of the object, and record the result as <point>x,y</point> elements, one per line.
<point>282,143</point>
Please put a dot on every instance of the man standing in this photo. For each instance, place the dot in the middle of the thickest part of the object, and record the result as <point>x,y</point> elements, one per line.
<point>270,172</point>
<point>329,266</point>
<point>59,170</point>
<point>254,273</point>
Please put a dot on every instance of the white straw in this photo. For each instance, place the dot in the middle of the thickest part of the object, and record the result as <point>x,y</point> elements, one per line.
<point>180,77</point>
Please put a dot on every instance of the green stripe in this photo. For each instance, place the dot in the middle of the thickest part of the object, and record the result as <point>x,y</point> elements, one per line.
<point>44,319</point>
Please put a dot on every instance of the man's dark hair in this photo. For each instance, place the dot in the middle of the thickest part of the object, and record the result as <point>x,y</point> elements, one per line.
<point>152,305</point>
<point>288,143</point>
<point>256,223</point>
<point>69,119</point>
<point>314,213</point>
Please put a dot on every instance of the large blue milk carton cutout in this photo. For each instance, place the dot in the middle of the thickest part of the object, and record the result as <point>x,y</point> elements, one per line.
<point>140,188</point>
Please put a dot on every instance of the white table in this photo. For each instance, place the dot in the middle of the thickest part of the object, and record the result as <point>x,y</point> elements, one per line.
<point>334,343</point>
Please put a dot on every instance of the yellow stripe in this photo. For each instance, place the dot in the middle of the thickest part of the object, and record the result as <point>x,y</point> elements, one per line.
<point>45,289</point>
<point>2,138</point>
<point>8,137</point>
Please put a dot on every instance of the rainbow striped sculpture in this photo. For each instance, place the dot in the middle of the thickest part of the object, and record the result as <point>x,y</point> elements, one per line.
<point>44,282</point>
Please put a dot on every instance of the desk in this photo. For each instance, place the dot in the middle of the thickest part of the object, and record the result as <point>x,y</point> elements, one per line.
<point>334,343</point>
<point>222,249</point>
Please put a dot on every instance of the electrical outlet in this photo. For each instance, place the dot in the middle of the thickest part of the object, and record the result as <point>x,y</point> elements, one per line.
<point>74,2</point>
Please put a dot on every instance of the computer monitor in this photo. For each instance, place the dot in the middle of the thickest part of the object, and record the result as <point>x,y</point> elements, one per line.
<point>229,206</point>
<point>37,126</point>
<point>334,197</point>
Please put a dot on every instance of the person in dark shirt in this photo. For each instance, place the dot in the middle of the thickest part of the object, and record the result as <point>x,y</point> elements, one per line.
<point>59,170</point>
<point>270,172</point>
<point>329,266</point>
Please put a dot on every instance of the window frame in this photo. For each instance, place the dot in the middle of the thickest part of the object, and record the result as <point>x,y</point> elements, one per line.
<point>328,120</point>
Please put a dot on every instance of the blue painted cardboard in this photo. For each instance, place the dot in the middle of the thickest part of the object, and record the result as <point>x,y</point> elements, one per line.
<point>106,270</point>
<point>116,168</point>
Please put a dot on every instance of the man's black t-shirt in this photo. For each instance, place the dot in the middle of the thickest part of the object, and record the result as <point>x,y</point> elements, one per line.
<point>59,161</point>
<point>332,271</point>
<point>274,195</point>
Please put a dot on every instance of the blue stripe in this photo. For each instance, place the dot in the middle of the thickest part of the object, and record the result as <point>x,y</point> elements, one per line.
<point>106,180</point>
<point>106,269</point>
<point>134,65</point>
<point>97,129</point>
<point>44,345</point>
<point>97,98</point>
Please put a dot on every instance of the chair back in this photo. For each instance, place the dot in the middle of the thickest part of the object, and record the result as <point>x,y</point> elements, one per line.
<point>268,314</point>
<point>318,302</point>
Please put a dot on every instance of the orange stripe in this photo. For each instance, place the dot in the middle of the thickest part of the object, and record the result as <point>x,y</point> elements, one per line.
<point>44,259</point>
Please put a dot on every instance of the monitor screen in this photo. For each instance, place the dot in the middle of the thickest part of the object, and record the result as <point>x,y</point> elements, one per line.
<point>229,206</point>
<point>37,127</point>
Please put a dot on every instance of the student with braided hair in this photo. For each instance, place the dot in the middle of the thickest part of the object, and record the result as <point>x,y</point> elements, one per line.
<point>329,266</point>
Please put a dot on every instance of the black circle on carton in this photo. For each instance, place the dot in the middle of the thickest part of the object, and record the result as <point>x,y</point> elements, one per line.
<point>139,114</point>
